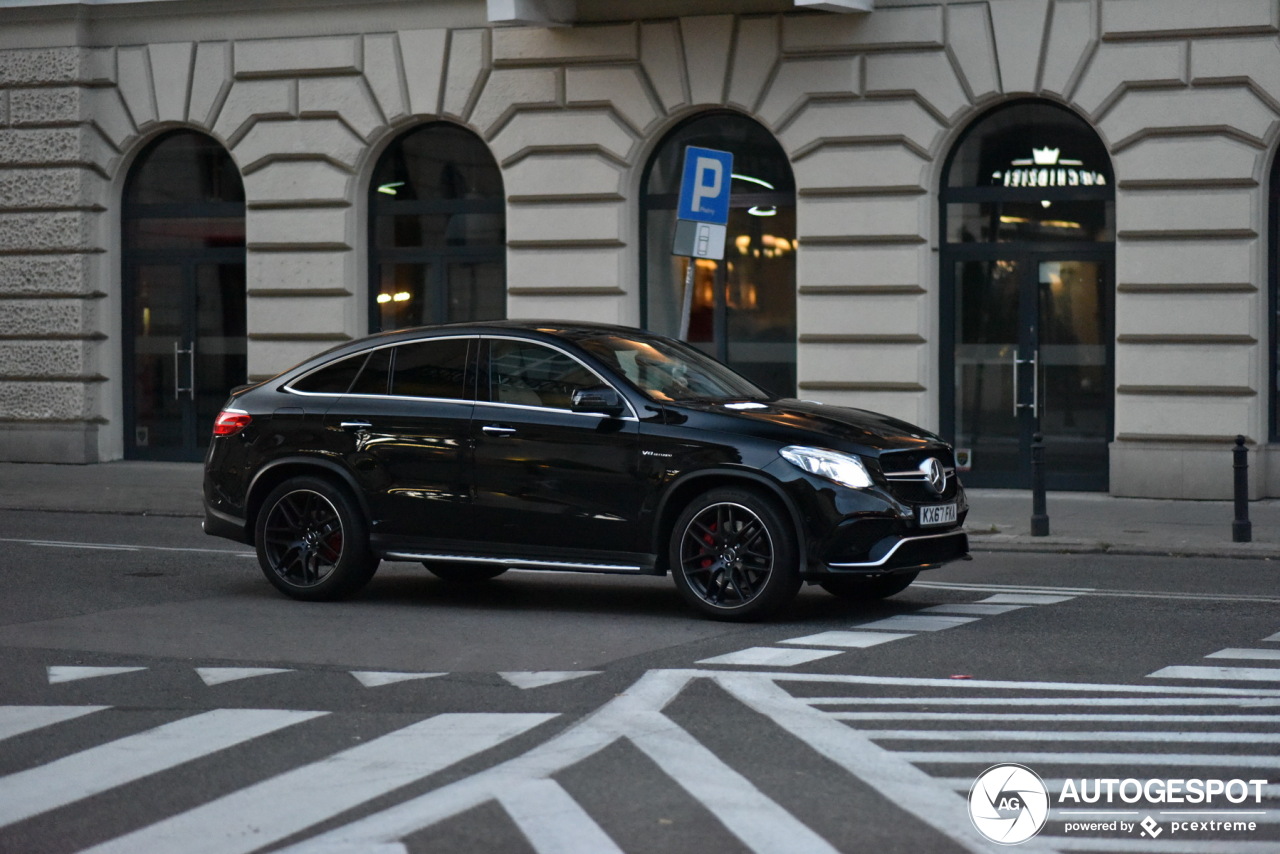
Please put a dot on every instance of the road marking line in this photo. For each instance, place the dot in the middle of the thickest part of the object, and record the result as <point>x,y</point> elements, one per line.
<point>758,656</point>
<point>66,544</point>
<point>1229,674</point>
<point>16,720</point>
<point>553,822</point>
<point>1274,638</point>
<point>852,640</point>
<point>900,783</point>
<point>985,684</point>
<point>1244,702</point>
<point>218,675</point>
<point>975,608</point>
<point>1255,654</point>
<point>58,675</point>
<point>1029,717</point>
<point>525,680</point>
<point>913,623</point>
<point>376,679</point>
<point>107,766</point>
<point>1072,735</point>
<point>1167,846</point>
<point>267,812</point>
<point>745,811</point>
<point>1091,591</point>
<point>1024,599</point>
<point>1120,760</point>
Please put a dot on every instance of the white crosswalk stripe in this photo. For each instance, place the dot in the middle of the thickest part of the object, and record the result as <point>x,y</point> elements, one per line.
<point>250,818</point>
<point>882,731</point>
<point>98,769</point>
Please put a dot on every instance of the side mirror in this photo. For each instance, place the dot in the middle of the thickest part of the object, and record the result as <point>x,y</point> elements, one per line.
<point>600,399</point>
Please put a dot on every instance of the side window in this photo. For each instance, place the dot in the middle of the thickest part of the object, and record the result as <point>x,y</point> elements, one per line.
<point>431,369</point>
<point>334,378</point>
<point>530,374</point>
<point>376,375</point>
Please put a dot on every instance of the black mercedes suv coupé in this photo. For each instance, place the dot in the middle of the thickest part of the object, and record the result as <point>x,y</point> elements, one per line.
<point>477,448</point>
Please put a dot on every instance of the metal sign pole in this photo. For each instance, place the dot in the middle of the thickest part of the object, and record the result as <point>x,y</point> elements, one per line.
<point>686,311</point>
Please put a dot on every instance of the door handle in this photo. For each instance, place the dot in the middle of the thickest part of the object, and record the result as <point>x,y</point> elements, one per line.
<point>356,425</point>
<point>1034,362</point>
<point>190,388</point>
<point>497,430</point>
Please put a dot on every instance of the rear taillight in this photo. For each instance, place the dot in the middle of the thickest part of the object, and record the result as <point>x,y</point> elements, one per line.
<point>230,422</point>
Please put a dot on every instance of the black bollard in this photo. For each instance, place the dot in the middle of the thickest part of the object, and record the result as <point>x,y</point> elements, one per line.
<point>1241,528</point>
<point>1039,516</point>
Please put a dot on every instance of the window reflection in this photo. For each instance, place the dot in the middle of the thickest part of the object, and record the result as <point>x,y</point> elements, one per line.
<point>438,231</point>
<point>742,309</point>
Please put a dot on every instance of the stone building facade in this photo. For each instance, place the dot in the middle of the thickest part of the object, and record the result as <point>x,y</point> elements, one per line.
<point>891,283</point>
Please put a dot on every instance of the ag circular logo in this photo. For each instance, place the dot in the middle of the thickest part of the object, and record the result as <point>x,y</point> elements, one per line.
<point>1008,804</point>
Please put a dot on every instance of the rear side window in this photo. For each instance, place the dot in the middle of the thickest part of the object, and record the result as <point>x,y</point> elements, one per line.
<point>334,378</point>
<point>431,369</point>
<point>376,376</point>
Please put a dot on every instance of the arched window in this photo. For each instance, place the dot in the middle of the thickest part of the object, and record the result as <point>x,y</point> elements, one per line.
<point>437,231</point>
<point>742,309</point>
<point>184,294</point>
<point>1028,294</point>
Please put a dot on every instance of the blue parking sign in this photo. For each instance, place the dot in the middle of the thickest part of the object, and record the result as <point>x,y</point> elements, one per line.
<point>704,190</point>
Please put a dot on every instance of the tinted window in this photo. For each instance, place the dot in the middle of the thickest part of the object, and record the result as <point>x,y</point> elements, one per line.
<point>376,376</point>
<point>331,379</point>
<point>522,372</point>
<point>431,369</point>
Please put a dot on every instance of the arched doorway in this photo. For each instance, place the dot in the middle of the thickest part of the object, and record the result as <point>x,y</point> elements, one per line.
<point>184,294</point>
<point>743,309</point>
<point>1028,295</point>
<point>437,222</point>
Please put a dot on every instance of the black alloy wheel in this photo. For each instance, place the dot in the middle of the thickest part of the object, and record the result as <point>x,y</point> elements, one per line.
<point>462,572</point>
<point>734,556</point>
<point>312,541</point>
<point>868,586</point>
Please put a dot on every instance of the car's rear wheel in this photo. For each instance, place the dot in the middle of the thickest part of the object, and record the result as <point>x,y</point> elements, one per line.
<point>734,555</point>
<point>461,572</point>
<point>312,541</point>
<point>868,586</point>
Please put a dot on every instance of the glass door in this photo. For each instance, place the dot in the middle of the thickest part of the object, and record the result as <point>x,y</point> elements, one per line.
<point>1033,355</point>
<point>187,347</point>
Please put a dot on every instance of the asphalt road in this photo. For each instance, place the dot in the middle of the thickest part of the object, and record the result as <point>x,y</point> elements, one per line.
<point>157,695</point>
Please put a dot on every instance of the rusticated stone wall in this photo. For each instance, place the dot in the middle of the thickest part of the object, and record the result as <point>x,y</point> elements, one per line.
<point>1184,93</point>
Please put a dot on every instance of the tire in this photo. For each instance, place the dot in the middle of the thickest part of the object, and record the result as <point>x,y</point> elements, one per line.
<point>734,555</point>
<point>313,542</point>
<point>868,586</point>
<point>461,572</point>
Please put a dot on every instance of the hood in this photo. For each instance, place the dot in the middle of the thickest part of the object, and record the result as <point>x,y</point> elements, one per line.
<point>836,426</point>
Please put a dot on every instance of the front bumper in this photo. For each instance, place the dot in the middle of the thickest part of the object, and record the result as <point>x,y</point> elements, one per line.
<point>905,553</point>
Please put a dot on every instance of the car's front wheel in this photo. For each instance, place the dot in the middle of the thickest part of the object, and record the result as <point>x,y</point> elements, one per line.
<point>312,541</point>
<point>868,586</point>
<point>734,555</point>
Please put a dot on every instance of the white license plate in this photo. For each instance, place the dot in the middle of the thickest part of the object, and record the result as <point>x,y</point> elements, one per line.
<point>938,514</point>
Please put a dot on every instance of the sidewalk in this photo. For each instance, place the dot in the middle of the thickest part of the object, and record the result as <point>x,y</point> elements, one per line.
<point>999,519</point>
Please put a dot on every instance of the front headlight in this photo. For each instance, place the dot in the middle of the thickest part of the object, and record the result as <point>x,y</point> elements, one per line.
<point>844,469</point>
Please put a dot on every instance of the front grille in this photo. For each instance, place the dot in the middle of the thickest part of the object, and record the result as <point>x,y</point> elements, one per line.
<point>909,482</point>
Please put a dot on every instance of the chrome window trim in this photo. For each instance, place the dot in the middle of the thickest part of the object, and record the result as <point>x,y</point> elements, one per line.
<point>288,387</point>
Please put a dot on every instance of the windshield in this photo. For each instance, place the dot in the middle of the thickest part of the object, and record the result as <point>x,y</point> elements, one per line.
<point>670,371</point>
